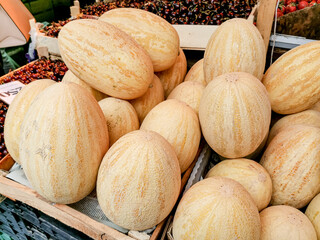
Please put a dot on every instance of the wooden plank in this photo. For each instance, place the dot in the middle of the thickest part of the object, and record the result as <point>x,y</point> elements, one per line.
<point>265,17</point>
<point>6,163</point>
<point>61,212</point>
<point>194,37</point>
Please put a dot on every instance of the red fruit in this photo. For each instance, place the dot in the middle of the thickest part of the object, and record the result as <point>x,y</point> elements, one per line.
<point>291,1</point>
<point>318,2</point>
<point>279,14</point>
<point>282,9</point>
<point>291,8</point>
<point>313,2</point>
<point>302,5</point>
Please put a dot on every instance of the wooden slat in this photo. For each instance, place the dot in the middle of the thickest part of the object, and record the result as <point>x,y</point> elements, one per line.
<point>6,163</point>
<point>61,212</point>
<point>265,19</point>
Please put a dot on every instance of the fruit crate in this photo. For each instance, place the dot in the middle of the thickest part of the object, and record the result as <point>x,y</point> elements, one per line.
<point>68,217</point>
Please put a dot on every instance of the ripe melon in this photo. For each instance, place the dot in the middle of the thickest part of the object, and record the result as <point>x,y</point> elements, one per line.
<point>293,81</point>
<point>106,58</point>
<point>139,180</point>
<point>152,32</point>
<point>216,208</point>
<point>120,116</point>
<point>16,113</point>
<point>285,222</point>
<point>179,125</point>
<point>196,74</point>
<point>235,114</point>
<point>236,46</point>
<point>174,75</point>
<point>312,213</point>
<point>188,92</point>
<point>149,100</point>
<point>250,174</point>
<point>70,77</point>
<point>293,161</point>
<point>63,139</point>
<point>316,107</point>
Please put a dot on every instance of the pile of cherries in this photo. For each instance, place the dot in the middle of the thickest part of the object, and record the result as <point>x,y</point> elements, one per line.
<point>205,12</point>
<point>41,69</point>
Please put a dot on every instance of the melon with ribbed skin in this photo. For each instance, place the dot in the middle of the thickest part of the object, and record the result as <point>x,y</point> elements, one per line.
<point>149,100</point>
<point>16,112</point>
<point>293,161</point>
<point>307,117</point>
<point>63,139</point>
<point>139,180</point>
<point>250,174</point>
<point>312,213</point>
<point>152,32</point>
<point>179,125</point>
<point>120,116</point>
<point>293,81</point>
<point>285,222</point>
<point>236,46</point>
<point>216,208</point>
<point>189,92</point>
<point>196,74</point>
<point>70,77</point>
<point>173,76</point>
<point>235,114</point>
<point>106,58</point>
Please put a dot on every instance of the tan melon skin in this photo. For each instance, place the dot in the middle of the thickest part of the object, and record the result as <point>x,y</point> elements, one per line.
<point>293,81</point>
<point>235,114</point>
<point>196,73</point>
<point>250,174</point>
<point>106,58</point>
<point>189,92</point>
<point>64,137</point>
<point>312,213</point>
<point>16,112</point>
<point>293,161</point>
<point>70,77</point>
<point>216,208</point>
<point>179,125</point>
<point>316,107</point>
<point>120,116</point>
<point>149,100</point>
<point>173,76</point>
<point>285,222</point>
<point>307,117</point>
<point>139,180</point>
<point>152,32</point>
<point>236,46</point>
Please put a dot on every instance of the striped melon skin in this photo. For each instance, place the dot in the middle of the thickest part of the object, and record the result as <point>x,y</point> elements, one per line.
<point>236,46</point>
<point>196,73</point>
<point>293,81</point>
<point>235,114</point>
<point>285,222</point>
<point>106,58</point>
<point>250,174</point>
<point>63,139</point>
<point>293,161</point>
<point>216,208</point>
<point>149,100</point>
<point>16,112</point>
<point>307,117</point>
<point>152,32</point>
<point>70,77</point>
<point>189,92</point>
<point>173,76</point>
<point>312,213</point>
<point>179,125</point>
<point>139,180</point>
<point>120,116</point>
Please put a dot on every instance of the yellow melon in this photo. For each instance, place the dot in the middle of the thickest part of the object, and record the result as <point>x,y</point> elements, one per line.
<point>63,139</point>
<point>235,114</point>
<point>196,73</point>
<point>312,213</point>
<point>120,116</point>
<point>216,208</point>
<point>139,180</point>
